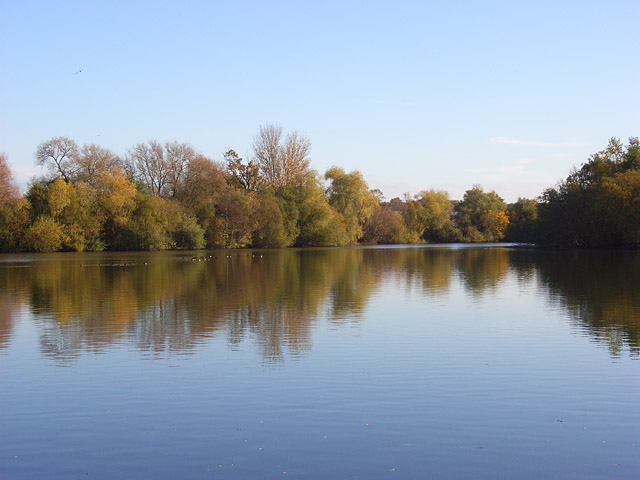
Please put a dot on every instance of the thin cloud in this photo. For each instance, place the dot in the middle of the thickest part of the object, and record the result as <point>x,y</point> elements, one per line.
<point>394,103</point>
<point>510,169</point>
<point>529,143</point>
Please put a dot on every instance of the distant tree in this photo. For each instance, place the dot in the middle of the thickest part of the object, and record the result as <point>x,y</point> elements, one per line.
<point>15,219</point>
<point>9,192</point>
<point>522,220</point>
<point>282,162</point>
<point>597,205</point>
<point>386,227</point>
<point>270,229</point>
<point>243,175</point>
<point>349,194</point>
<point>481,216</point>
<point>428,215</point>
<point>59,156</point>
<point>318,223</point>
<point>45,235</point>
<point>146,163</point>
<point>178,157</point>
<point>162,168</point>
<point>60,196</point>
<point>93,160</point>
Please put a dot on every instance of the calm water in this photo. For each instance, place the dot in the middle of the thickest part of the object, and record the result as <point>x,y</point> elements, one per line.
<point>422,362</point>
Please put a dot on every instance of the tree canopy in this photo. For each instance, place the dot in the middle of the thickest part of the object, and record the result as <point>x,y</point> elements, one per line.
<point>164,195</point>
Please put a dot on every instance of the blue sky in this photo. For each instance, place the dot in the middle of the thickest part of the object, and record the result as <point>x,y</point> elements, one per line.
<point>415,95</point>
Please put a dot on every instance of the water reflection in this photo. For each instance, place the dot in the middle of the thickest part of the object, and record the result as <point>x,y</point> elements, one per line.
<point>171,304</point>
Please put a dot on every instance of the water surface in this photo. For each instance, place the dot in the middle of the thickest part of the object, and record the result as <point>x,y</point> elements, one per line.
<point>400,362</point>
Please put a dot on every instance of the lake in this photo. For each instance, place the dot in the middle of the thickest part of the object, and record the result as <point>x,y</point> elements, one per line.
<point>484,361</point>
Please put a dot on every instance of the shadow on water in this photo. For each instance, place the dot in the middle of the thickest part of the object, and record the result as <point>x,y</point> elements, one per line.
<point>166,302</point>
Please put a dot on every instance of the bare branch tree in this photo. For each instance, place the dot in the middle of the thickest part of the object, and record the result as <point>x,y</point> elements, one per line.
<point>146,161</point>
<point>58,155</point>
<point>281,164</point>
<point>163,168</point>
<point>92,161</point>
<point>266,151</point>
<point>178,156</point>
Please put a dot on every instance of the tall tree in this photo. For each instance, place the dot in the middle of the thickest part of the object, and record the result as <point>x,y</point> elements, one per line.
<point>92,161</point>
<point>282,163</point>
<point>8,190</point>
<point>58,155</point>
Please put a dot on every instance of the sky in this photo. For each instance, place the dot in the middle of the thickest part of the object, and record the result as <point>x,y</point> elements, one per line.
<point>416,95</point>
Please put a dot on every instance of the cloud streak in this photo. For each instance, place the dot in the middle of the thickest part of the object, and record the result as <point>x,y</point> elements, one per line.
<point>529,143</point>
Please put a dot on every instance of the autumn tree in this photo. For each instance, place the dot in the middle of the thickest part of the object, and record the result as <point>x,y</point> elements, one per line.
<point>8,189</point>
<point>386,227</point>
<point>481,216</point>
<point>92,161</point>
<point>14,211</point>
<point>243,175</point>
<point>349,194</point>
<point>428,215</point>
<point>522,215</point>
<point>597,205</point>
<point>282,162</point>
<point>59,156</point>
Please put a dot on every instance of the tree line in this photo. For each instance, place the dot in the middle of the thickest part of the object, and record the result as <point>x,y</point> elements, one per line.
<point>170,196</point>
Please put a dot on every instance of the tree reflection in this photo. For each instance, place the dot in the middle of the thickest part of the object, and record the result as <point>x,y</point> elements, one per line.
<point>599,290</point>
<point>163,303</point>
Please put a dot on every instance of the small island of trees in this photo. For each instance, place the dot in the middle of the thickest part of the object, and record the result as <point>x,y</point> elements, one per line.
<point>169,196</point>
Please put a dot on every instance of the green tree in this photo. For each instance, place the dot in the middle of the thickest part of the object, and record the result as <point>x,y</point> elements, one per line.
<point>596,205</point>
<point>481,216</point>
<point>523,216</point>
<point>387,227</point>
<point>429,214</point>
<point>349,194</point>
<point>45,235</point>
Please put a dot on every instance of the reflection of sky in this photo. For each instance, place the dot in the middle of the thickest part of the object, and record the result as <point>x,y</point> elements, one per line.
<point>409,379</point>
<point>276,304</point>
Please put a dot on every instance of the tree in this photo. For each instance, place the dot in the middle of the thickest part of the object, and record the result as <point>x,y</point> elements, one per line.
<point>522,220</point>
<point>349,194</point>
<point>481,216</point>
<point>387,227</point>
<point>178,157</point>
<point>162,168</point>
<point>147,164</point>
<point>597,205</point>
<point>93,160</point>
<point>281,163</point>
<point>45,235</point>
<point>243,175</point>
<point>428,215</point>
<point>59,156</point>
<point>9,192</point>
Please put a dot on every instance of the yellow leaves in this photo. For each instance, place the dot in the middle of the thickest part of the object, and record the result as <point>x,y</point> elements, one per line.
<point>116,196</point>
<point>60,195</point>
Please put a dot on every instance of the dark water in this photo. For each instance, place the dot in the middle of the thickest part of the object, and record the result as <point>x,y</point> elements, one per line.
<point>368,363</point>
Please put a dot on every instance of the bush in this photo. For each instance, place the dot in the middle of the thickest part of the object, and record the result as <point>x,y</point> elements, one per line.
<point>189,235</point>
<point>45,235</point>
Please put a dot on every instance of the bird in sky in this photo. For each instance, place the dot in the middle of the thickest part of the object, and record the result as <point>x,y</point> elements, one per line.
<point>79,71</point>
